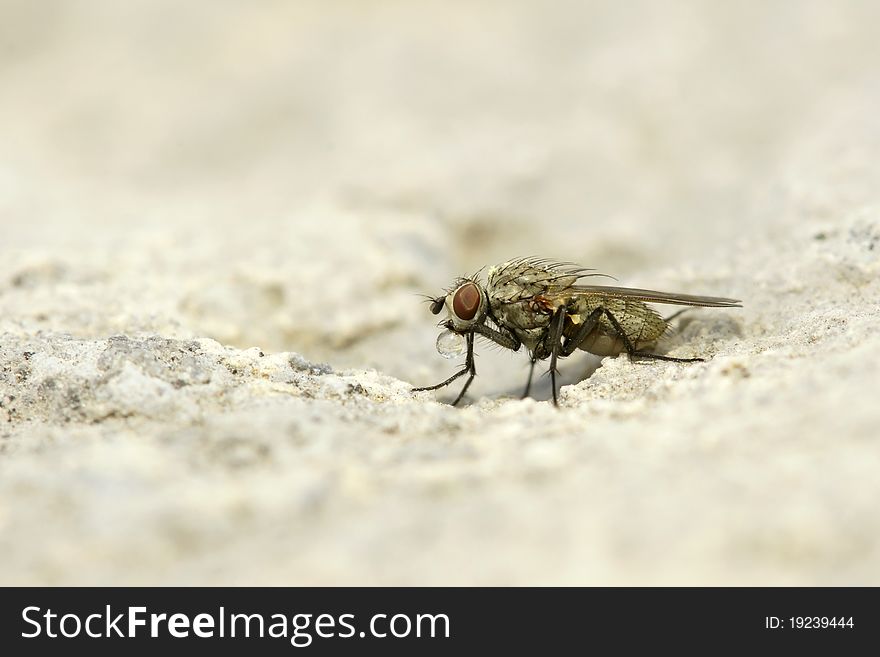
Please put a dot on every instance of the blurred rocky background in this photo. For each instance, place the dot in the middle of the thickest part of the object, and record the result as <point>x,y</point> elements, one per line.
<point>216,218</point>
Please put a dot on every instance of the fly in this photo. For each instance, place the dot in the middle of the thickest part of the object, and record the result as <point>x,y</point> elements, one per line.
<point>539,304</point>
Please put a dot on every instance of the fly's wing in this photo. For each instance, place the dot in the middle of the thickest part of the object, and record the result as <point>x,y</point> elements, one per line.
<point>652,296</point>
<point>526,278</point>
<point>641,324</point>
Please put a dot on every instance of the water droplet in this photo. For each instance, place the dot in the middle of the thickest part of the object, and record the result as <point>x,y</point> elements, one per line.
<point>450,345</point>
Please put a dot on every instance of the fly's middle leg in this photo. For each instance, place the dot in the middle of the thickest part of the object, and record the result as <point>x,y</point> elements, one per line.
<point>554,337</point>
<point>557,347</point>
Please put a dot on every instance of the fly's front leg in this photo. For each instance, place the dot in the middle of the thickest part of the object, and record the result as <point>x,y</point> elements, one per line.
<point>469,368</point>
<point>633,353</point>
<point>501,337</point>
<point>508,340</point>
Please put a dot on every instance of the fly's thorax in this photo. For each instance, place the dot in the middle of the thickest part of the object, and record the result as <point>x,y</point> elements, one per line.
<point>523,279</point>
<point>521,315</point>
<point>521,319</point>
<point>466,305</point>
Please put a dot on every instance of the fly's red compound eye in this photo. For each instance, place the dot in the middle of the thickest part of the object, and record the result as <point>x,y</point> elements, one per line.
<point>466,301</point>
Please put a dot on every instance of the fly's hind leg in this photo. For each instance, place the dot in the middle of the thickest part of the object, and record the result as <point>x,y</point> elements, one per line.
<point>676,314</point>
<point>469,368</point>
<point>635,354</point>
<point>572,343</point>
<point>554,343</point>
<point>647,355</point>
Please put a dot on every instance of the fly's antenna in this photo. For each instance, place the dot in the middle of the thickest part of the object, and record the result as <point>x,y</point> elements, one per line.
<point>436,302</point>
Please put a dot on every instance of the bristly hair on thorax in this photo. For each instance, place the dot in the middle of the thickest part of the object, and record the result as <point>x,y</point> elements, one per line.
<point>556,269</point>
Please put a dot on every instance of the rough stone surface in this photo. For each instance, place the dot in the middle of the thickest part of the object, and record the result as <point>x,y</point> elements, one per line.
<point>215,228</point>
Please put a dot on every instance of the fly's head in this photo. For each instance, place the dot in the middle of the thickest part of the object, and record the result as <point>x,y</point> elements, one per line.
<point>465,303</point>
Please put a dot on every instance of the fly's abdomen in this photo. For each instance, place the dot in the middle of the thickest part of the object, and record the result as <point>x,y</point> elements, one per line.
<point>641,325</point>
